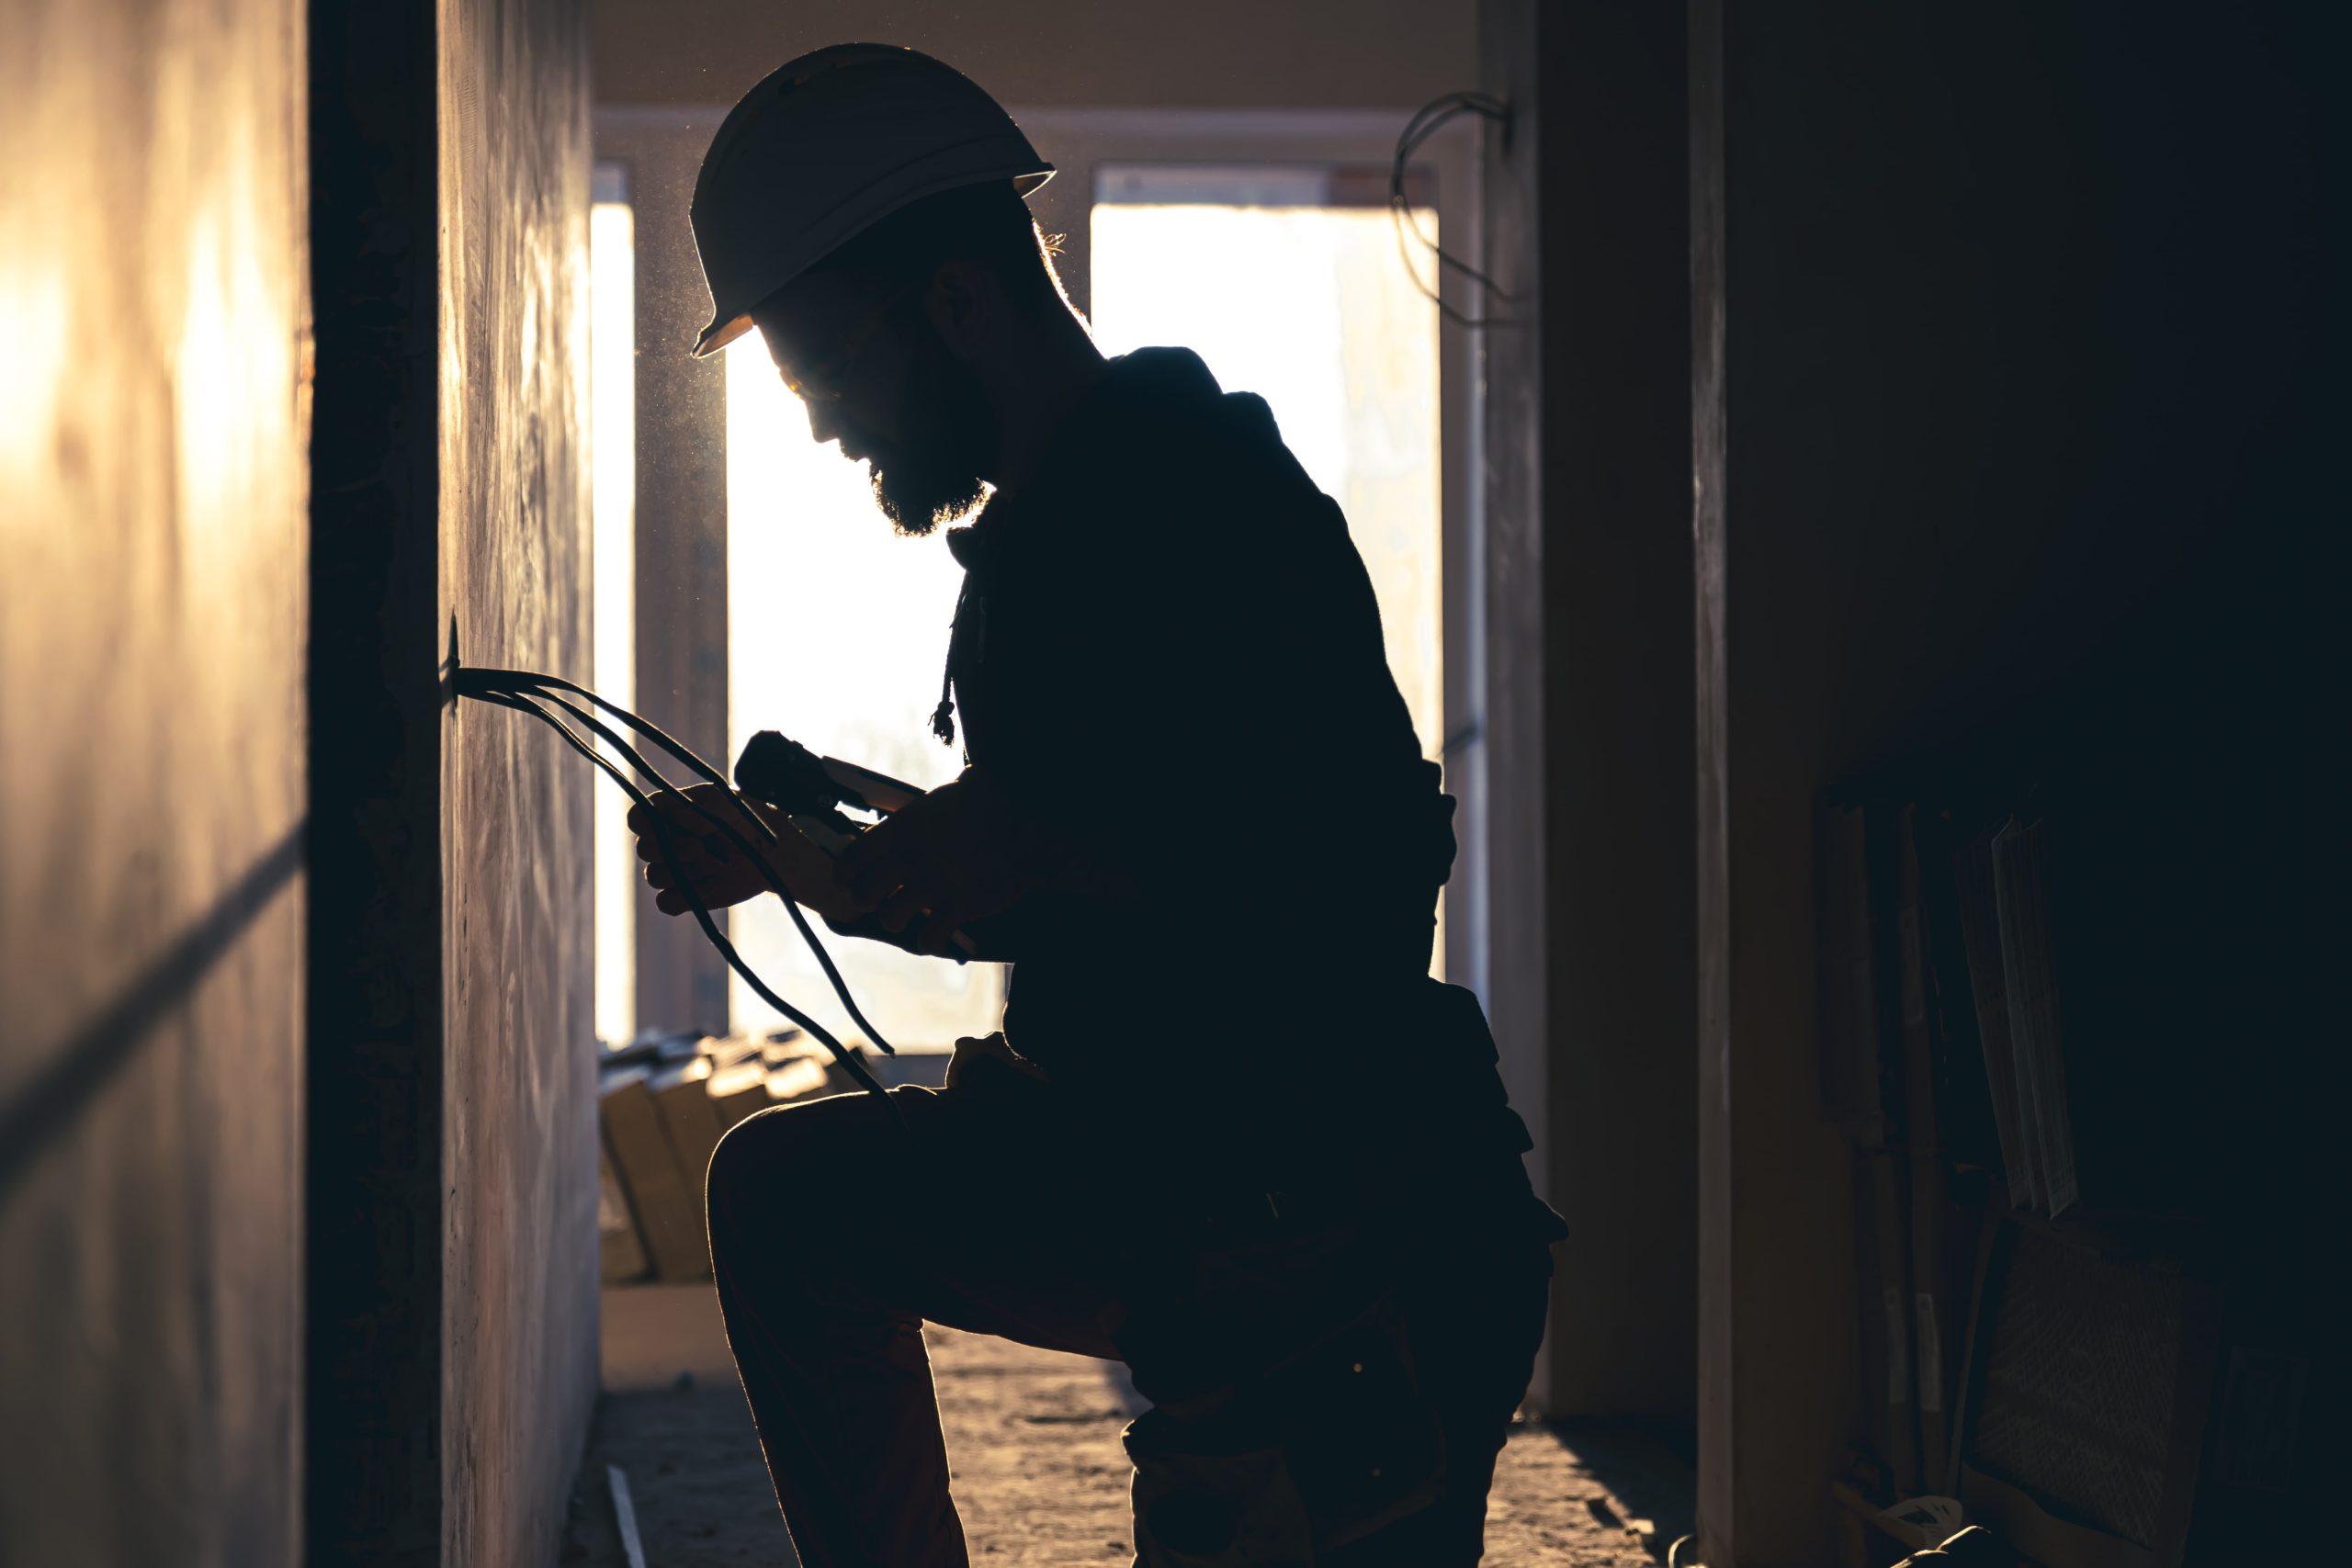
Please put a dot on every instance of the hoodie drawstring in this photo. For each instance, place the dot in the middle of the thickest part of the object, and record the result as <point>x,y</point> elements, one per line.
<point>943,717</point>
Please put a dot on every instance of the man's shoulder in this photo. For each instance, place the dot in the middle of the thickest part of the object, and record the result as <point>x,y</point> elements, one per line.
<point>1207,474</point>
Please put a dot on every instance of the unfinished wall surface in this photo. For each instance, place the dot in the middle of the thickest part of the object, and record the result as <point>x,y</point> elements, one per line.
<point>452,1269</point>
<point>1588,675</point>
<point>152,568</point>
<point>372,1334</point>
<point>1031,53</point>
<point>2018,390</point>
<point>519,1133</point>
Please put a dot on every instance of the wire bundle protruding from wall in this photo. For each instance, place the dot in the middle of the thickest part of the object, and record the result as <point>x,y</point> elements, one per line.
<point>538,694</point>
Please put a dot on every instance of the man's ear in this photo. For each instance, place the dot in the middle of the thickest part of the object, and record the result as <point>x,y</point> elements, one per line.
<point>965,303</point>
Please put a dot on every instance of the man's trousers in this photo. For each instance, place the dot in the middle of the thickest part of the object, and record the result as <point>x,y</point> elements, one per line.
<point>836,1232</point>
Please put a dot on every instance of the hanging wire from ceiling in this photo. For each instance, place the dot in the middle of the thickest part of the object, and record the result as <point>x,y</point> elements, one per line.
<point>1425,122</point>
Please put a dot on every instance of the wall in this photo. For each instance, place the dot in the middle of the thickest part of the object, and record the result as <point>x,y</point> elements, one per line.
<point>1208,54</point>
<point>373,1329</point>
<point>152,476</point>
<point>1589,680</point>
<point>518,1153</point>
<point>2017,384</point>
<point>452,1270</point>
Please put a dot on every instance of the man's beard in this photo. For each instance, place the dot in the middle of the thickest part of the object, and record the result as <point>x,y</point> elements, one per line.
<point>919,498</point>
<point>952,435</point>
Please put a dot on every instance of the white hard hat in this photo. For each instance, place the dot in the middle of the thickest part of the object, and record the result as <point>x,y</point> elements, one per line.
<point>825,147</point>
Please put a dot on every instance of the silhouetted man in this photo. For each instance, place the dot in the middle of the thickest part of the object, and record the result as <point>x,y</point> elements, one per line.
<point>1231,1133</point>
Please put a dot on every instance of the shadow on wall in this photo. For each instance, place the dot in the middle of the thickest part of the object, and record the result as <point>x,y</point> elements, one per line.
<point>80,1069</point>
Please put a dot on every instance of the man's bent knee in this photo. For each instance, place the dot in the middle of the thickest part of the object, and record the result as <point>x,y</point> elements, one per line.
<point>801,1154</point>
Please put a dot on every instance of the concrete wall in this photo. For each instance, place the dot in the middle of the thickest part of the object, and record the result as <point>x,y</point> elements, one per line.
<point>518,1148</point>
<point>2019,392</point>
<point>1206,54</point>
<point>452,1260</point>
<point>151,572</point>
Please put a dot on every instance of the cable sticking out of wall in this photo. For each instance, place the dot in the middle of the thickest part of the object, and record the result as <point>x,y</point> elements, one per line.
<point>1425,123</point>
<point>536,694</point>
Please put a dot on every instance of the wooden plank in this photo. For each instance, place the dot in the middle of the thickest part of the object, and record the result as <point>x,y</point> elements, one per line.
<point>669,1221</point>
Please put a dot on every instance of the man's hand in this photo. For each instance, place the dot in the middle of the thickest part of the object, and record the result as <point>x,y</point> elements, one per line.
<point>718,871</point>
<point>978,1059</point>
<point>956,854</point>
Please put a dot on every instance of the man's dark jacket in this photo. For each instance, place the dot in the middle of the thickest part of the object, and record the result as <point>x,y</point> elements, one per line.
<point>1168,649</point>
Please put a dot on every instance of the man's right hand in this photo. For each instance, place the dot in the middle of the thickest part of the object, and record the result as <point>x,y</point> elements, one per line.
<point>715,869</point>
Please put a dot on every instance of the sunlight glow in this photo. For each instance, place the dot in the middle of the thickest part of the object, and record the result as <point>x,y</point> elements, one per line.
<point>1311,308</point>
<point>837,634</point>
<point>611,398</point>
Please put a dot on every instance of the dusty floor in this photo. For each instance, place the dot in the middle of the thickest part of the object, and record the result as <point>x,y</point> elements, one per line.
<point>1034,1438</point>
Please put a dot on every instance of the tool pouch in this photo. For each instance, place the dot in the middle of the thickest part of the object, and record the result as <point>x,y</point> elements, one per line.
<point>1322,1449</point>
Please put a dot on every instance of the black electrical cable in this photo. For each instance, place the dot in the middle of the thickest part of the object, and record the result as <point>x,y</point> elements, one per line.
<point>509,681</point>
<point>1425,123</point>
<point>478,682</point>
<point>668,850</point>
<point>495,687</point>
<point>744,847</point>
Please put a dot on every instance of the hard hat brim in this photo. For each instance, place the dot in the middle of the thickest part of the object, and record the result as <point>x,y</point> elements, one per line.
<point>732,320</point>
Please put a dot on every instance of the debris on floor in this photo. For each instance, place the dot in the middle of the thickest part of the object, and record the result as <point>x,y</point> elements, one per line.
<point>1033,1439</point>
<point>663,1102</point>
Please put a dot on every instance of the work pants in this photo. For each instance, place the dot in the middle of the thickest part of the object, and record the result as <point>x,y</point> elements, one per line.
<point>836,1232</point>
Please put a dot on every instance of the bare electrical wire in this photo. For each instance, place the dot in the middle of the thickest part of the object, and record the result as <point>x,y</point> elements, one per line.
<point>1424,124</point>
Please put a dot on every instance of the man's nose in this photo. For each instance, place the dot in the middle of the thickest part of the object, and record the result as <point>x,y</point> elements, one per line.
<point>824,424</point>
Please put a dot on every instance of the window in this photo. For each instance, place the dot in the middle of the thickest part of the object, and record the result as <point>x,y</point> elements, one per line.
<point>837,636</point>
<point>1288,282</point>
<point>612,401</point>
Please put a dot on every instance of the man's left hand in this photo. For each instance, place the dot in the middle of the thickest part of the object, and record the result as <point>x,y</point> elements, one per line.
<point>956,854</point>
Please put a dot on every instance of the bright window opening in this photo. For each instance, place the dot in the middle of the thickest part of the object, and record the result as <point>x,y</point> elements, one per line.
<point>612,398</point>
<point>1290,291</point>
<point>837,635</point>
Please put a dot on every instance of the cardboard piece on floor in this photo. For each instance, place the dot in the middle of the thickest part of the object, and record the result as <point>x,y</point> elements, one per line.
<point>669,1220</point>
<point>753,1086</point>
<point>682,1095</point>
<point>738,1089</point>
<point>620,1252</point>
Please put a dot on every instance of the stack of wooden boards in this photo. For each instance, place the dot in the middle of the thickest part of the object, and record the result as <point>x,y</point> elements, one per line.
<point>662,1105</point>
<point>2065,1325</point>
<point>1940,1054</point>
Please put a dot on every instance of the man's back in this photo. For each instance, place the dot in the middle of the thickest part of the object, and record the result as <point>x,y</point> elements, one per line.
<point>1169,646</point>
